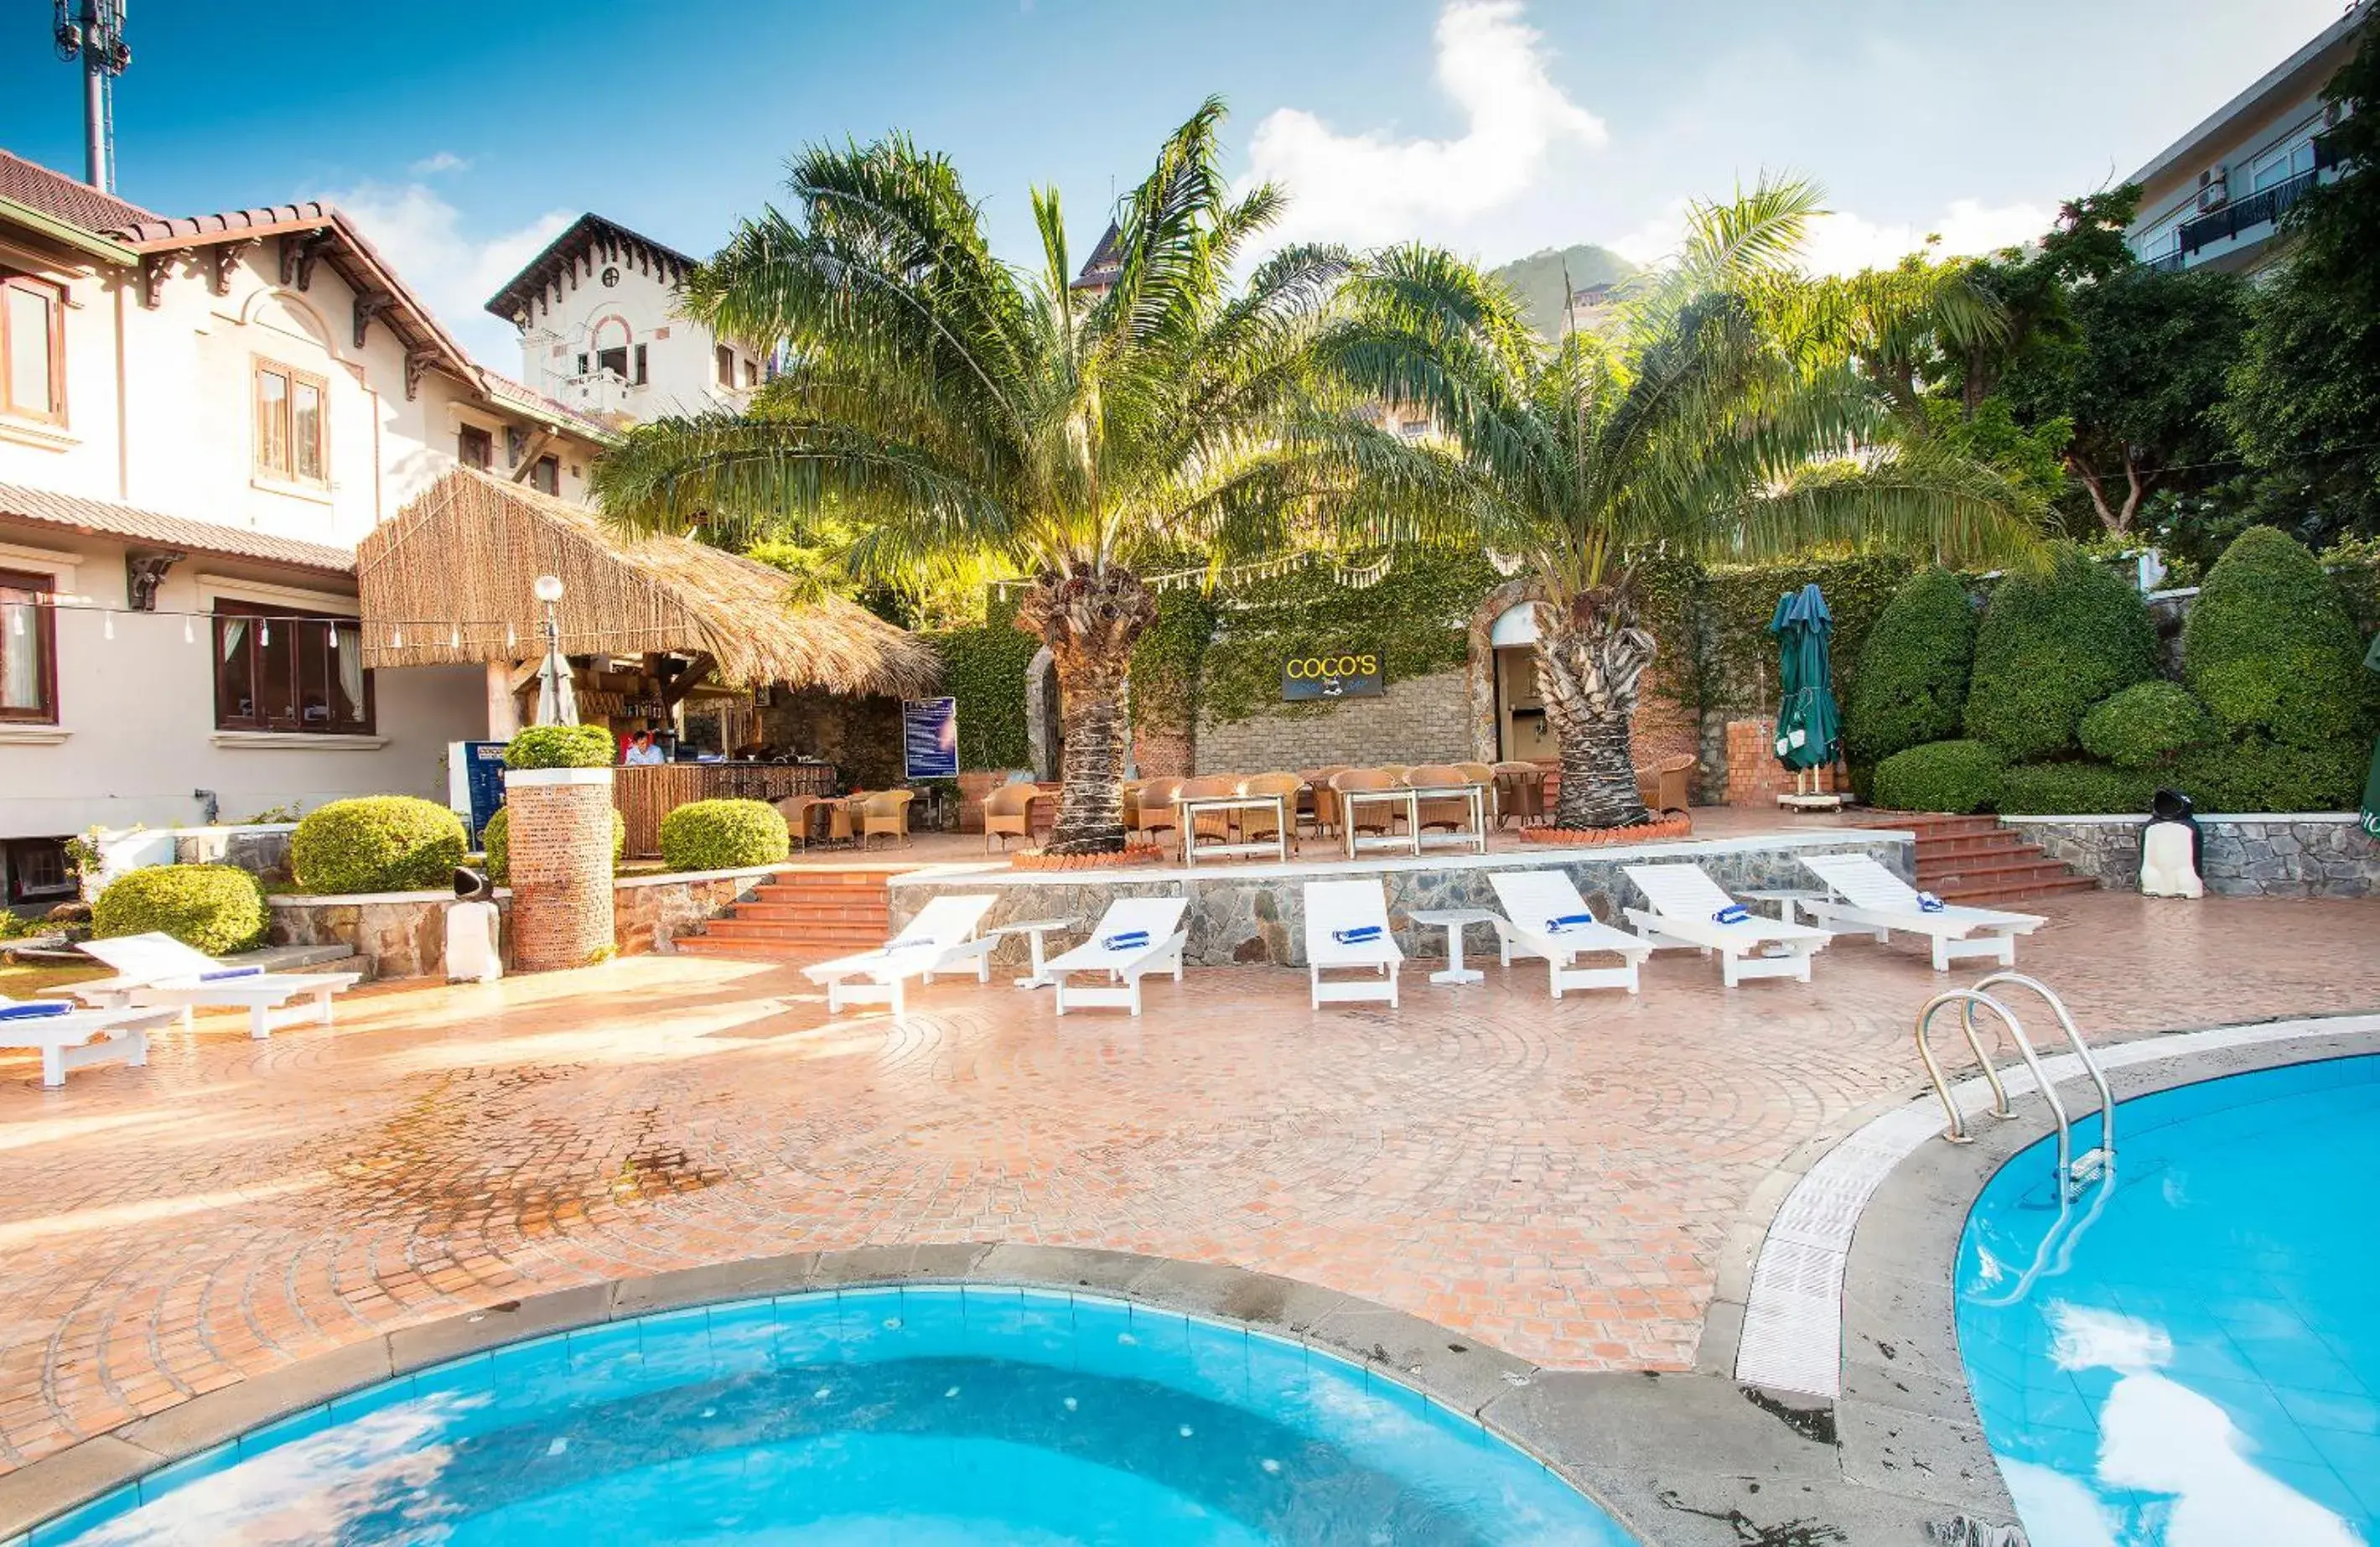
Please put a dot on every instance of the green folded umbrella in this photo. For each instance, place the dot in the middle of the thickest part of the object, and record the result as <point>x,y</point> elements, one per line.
<point>1809,726</point>
<point>2372,780</point>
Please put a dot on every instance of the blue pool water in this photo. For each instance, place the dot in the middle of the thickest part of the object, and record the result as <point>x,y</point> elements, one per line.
<point>927,1416</point>
<point>2196,1361</point>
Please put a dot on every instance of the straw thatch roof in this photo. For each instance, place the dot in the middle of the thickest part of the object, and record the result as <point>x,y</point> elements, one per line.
<point>447,581</point>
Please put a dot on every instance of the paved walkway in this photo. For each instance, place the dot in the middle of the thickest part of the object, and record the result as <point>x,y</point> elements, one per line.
<point>1556,1179</point>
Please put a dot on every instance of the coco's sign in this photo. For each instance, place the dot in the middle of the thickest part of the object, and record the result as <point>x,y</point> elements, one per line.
<point>1350,674</point>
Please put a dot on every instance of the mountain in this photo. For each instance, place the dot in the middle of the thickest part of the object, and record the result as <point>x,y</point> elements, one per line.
<point>1538,279</point>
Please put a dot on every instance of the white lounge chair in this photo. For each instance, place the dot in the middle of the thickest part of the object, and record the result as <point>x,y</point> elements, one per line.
<point>1874,899</point>
<point>1134,937</point>
<point>157,970</point>
<point>70,1037</point>
<point>1347,926</point>
<point>1544,916</point>
<point>942,938</point>
<point>1689,909</point>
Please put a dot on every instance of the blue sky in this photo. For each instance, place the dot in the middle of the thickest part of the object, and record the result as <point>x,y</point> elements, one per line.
<point>463,135</point>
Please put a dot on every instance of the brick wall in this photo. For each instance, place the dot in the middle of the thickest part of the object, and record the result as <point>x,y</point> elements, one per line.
<point>561,865</point>
<point>1424,719</point>
<point>1754,777</point>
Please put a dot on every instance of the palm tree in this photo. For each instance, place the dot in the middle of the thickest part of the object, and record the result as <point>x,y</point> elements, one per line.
<point>955,410</point>
<point>1724,418</point>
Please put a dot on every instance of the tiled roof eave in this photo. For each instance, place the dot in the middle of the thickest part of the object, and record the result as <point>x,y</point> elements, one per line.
<point>115,522</point>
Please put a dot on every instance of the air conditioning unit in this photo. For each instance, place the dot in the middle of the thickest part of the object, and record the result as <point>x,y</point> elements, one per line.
<point>2214,191</point>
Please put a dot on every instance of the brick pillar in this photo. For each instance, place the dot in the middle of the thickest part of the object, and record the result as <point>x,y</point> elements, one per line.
<point>560,843</point>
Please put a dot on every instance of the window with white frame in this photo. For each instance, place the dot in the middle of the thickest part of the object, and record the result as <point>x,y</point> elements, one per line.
<point>292,424</point>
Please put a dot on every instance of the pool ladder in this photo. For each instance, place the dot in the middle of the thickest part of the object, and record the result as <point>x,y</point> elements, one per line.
<point>2074,1173</point>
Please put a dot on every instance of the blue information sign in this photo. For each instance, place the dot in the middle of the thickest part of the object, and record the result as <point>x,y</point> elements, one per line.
<point>930,738</point>
<point>483,771</point>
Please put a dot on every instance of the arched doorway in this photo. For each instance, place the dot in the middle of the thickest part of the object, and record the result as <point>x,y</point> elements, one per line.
<point>1045,736</point>
<point>1521,732</point>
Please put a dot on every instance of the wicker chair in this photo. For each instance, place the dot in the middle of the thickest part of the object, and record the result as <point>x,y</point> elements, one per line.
<point>1212,824</point>
<point>1152,808</point>
<point>1451,816</point>
<point>1008,813</point>
<point>801,813</point>
<point>1520,792</point>
<point>1663,786</point>
<point>886,815</point>
<point>1322,801</point>
<point>1256,826</point>
<point>1372,817</point>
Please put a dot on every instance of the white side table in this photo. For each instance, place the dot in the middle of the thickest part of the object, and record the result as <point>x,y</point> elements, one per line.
<point>1783,898</point>
<point>1033,929</point>
<point>1455,919</point>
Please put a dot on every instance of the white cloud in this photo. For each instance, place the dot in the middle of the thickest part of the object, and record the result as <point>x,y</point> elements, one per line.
<point>1843,242</point>
<point>1369,188</point>
<point>452,269</point>
<point>443,160</point>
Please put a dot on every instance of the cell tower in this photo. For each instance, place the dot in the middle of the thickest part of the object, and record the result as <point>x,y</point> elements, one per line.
<point>93,31</point>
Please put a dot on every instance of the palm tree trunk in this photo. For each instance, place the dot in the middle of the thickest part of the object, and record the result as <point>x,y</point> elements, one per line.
<point>1090,621</point>
<point>1590,661</point>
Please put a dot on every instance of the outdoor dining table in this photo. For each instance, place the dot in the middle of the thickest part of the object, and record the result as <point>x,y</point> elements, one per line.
<point>1475,835</point>
<point>1187,809</point>
<point>1399,799</point>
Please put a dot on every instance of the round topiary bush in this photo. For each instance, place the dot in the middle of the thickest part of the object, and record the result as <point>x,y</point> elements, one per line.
<point>496,841</point>
<point>2146,726</point>
<point>2048,647</point>
<point>2269,647</point>
<point>2255,774</point>
<point>214,908</point>
<point>561,746</point>
<point>1911,684</point>
<point>381,843</point>
<point>2076,790</point>
<point>724,835</point>
<point>1955,776</point>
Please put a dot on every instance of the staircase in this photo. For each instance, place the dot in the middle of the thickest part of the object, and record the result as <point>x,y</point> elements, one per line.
<point>1974,859</point>
<point>801,915</point>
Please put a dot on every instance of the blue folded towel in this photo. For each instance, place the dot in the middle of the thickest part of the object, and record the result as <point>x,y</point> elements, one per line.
<point>1733,913</point>
<point>1568,921</point>
<point>1130,940</point>
<point>1928,903</point>
<point>1361,934</point>
<point>222,973</point>
<point>38,1010</point>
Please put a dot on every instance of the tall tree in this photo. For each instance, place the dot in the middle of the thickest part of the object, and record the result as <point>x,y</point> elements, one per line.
<point>1713,422</point>
<point>949,407</point>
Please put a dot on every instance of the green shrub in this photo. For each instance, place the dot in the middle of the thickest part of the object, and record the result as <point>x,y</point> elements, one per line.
<point>2076,790</point>
<point>2270,649</point>
<point>214,908</point>
<point>1956,777</point>
<point>381,843</point>
<point>2146,726</point>
<point>561,746</point>
<point>495,840</point>
<point>1912,683</point>
<point>2255,774</point>
<point>2048,647</point>
<point>724,835</point>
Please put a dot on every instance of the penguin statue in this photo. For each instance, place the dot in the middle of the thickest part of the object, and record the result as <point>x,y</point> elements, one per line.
<point>474,938</point>
<point>2172,849</point>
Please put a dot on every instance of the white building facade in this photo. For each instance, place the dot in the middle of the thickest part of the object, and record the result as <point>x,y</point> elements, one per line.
<point>200,419</point>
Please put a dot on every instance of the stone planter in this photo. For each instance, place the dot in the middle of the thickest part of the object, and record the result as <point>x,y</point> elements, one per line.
<point>561,867</point>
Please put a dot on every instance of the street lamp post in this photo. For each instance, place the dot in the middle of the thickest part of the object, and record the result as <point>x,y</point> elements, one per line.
<point>557,700</point>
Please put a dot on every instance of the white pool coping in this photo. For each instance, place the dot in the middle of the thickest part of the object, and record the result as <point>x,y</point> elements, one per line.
<point>1793,1314</point>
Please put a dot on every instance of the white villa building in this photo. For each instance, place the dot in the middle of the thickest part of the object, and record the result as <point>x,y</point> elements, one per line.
<point>200,419</point>
<point>601,331</point>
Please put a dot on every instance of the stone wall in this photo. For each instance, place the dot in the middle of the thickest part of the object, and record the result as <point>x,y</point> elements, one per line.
<point>1423,719</point>
<point>859,734</point>
<point>2318,855</point>
<point>1253,913</point>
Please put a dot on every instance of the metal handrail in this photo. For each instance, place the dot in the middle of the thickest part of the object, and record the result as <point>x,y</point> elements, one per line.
<point>1967,999</point>
<point>2104,1156</point>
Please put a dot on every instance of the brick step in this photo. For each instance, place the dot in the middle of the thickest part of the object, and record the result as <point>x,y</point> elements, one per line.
<point>2001,842</point>
<point>738,928</point>
<point>1931,824</point>
<point>754,950</point>
<point>875,913</point>
<point>1997,896</point>
<point>2037,874</point>
<point>826,885</point>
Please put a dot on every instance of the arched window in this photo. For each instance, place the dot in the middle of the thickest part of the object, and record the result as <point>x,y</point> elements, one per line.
<point>611,347</point>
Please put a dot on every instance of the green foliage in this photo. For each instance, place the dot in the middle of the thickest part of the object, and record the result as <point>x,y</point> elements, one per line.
<point>724,835</point>
<point>2270,648</point>
<point>2146,726</point>
<point>2051,646</point>
<point>561,746</point>
<point>2075,789</point>
<point>2031,455</point>
<point>983,669</point>
<point>214,908</point>
<point>1912,683</point>
<point>2354,564</point>
<point>2256,774</point>
<point>495,840</point>
<point>380,843</point>
<point>1168,661</point>
<point>1955,776</point>
<point>1539,281</point>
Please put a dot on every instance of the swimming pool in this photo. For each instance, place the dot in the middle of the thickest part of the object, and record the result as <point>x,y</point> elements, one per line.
<point>927,1415</point>
<point>2192,1357</point>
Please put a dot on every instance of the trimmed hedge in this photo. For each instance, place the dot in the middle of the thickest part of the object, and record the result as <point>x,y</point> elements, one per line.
<point>495,840</point>
<point>2048,647</point>
<point>1955,776</point>
<point>561,746</point>
<point>724,835</point>
<point>380,843</point>
<point>2255,774</point>
<point>1911,684</point>
<point>2147,726</point>
<point>2076,790</point>
<point>2270,649</point>
<point>214,908</point>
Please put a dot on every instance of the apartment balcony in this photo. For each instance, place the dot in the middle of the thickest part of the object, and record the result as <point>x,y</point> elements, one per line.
<point>2249,216</point>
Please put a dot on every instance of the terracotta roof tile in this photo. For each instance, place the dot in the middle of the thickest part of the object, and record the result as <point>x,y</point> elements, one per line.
<point>106,519</point>
<point>228,223</point>
<point>503,387</point>
<point>61,198</point>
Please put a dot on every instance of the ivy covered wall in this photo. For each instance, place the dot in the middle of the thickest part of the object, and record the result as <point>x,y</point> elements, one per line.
<point>983,669</point>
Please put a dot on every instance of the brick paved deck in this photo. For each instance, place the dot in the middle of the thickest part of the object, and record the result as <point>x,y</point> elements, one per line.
<point>1555,1179</point>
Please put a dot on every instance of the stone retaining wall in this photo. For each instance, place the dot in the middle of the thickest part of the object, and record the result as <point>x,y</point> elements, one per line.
<point>2321,854</point>
<point>1253,913</point>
